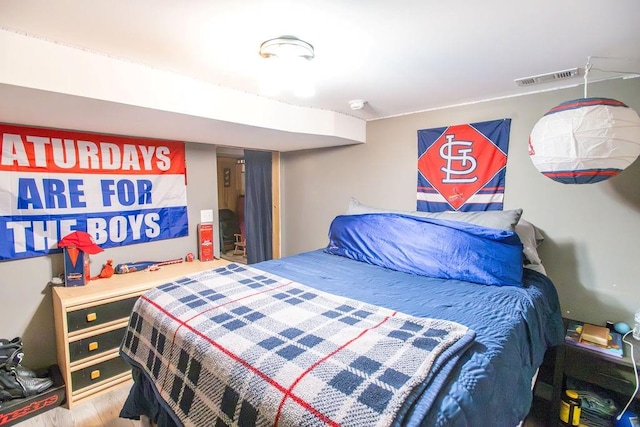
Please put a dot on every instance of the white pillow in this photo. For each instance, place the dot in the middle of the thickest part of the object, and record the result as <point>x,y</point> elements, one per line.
<point>531,238</point>
<point>504,220</point>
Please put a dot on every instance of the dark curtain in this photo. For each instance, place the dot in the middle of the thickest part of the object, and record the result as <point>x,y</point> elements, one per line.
<point>258,205</point>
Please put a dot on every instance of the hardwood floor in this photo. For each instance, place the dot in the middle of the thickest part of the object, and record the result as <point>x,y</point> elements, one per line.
<point>229,256</point>
<point>101,411</point>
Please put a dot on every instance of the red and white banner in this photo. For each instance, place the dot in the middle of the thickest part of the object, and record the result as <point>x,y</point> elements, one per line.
<point>120,190</point>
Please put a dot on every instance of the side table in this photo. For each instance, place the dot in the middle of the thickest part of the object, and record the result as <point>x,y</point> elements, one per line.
<point>611,373</point>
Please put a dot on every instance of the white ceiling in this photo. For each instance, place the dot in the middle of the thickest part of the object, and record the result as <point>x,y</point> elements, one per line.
<point>400,56</point>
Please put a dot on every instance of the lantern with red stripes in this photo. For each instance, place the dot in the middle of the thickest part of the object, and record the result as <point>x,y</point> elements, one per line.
<point>586,140</point>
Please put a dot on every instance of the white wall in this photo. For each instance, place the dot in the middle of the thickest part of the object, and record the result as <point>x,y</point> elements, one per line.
<point>592,231</point>
<point>25,299</point>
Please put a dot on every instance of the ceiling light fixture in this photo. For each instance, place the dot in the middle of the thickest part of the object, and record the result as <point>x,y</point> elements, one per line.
<point>287,66</point>
<point>287,46</point>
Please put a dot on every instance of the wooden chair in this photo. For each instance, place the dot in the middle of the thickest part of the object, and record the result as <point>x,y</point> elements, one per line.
<point>240,245</point>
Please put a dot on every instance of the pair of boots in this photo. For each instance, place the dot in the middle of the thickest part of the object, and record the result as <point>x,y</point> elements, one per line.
<point>16,381</point>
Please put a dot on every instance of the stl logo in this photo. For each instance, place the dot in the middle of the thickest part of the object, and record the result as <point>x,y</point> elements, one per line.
<point>465,164</point>
<point>460,162</point>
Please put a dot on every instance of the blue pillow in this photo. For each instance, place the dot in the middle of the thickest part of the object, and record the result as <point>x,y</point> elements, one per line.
<point>429,247</point>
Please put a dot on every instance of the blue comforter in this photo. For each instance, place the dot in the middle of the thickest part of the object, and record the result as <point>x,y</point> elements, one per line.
<point>514,326</point>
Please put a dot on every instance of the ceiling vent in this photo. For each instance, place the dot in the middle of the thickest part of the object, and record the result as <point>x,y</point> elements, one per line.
<point>549,77</point>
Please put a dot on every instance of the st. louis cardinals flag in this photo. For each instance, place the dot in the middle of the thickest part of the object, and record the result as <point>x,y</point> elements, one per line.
<point>462,167</point>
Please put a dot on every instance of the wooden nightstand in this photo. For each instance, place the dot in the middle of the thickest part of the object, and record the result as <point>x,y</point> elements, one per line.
<point>611,373</point>
<point>90,322</point>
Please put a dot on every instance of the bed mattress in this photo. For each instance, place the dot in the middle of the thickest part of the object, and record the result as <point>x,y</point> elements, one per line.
<point>514,326</point>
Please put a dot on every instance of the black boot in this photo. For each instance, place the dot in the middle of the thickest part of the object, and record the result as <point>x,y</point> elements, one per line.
<point>16,386</point>
<point>4,395</point>
<point>11,356</point>
<point>16,341</point>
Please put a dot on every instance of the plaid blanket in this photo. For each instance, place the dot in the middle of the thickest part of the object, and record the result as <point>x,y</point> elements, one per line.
<point>238,346</point>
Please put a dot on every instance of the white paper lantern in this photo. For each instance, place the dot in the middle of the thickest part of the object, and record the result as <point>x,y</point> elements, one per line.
<point>585,140</point>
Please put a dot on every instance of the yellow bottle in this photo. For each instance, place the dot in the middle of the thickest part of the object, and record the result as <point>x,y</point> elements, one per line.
<point>570,409</point>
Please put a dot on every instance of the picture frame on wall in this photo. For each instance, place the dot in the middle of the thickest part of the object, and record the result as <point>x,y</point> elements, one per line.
<point>227,177</point>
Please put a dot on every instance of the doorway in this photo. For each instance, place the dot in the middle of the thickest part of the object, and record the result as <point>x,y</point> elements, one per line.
<point>231,189</point>
<point>232,184</point>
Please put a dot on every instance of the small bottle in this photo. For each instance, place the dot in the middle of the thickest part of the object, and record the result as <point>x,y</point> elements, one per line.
<point>570,409</point>
<point>609,325</point>
<point>636,325</point>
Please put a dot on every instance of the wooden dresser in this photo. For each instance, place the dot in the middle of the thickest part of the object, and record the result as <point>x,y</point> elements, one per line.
<point>90,322</point>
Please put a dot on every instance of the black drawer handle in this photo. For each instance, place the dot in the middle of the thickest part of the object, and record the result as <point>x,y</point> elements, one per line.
<point>602,374</point>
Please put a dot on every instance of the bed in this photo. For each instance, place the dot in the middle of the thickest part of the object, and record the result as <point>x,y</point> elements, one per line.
<point>400,320</point>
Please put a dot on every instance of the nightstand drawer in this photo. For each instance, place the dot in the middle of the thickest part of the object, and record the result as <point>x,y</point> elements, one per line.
<point>98,372</point>
<point>91,322</point>
<point>595,369</point>
<point>99,314</point>
<point>86,347</point>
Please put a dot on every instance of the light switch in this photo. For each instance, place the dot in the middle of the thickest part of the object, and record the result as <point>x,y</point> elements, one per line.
<point>206,215</point>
